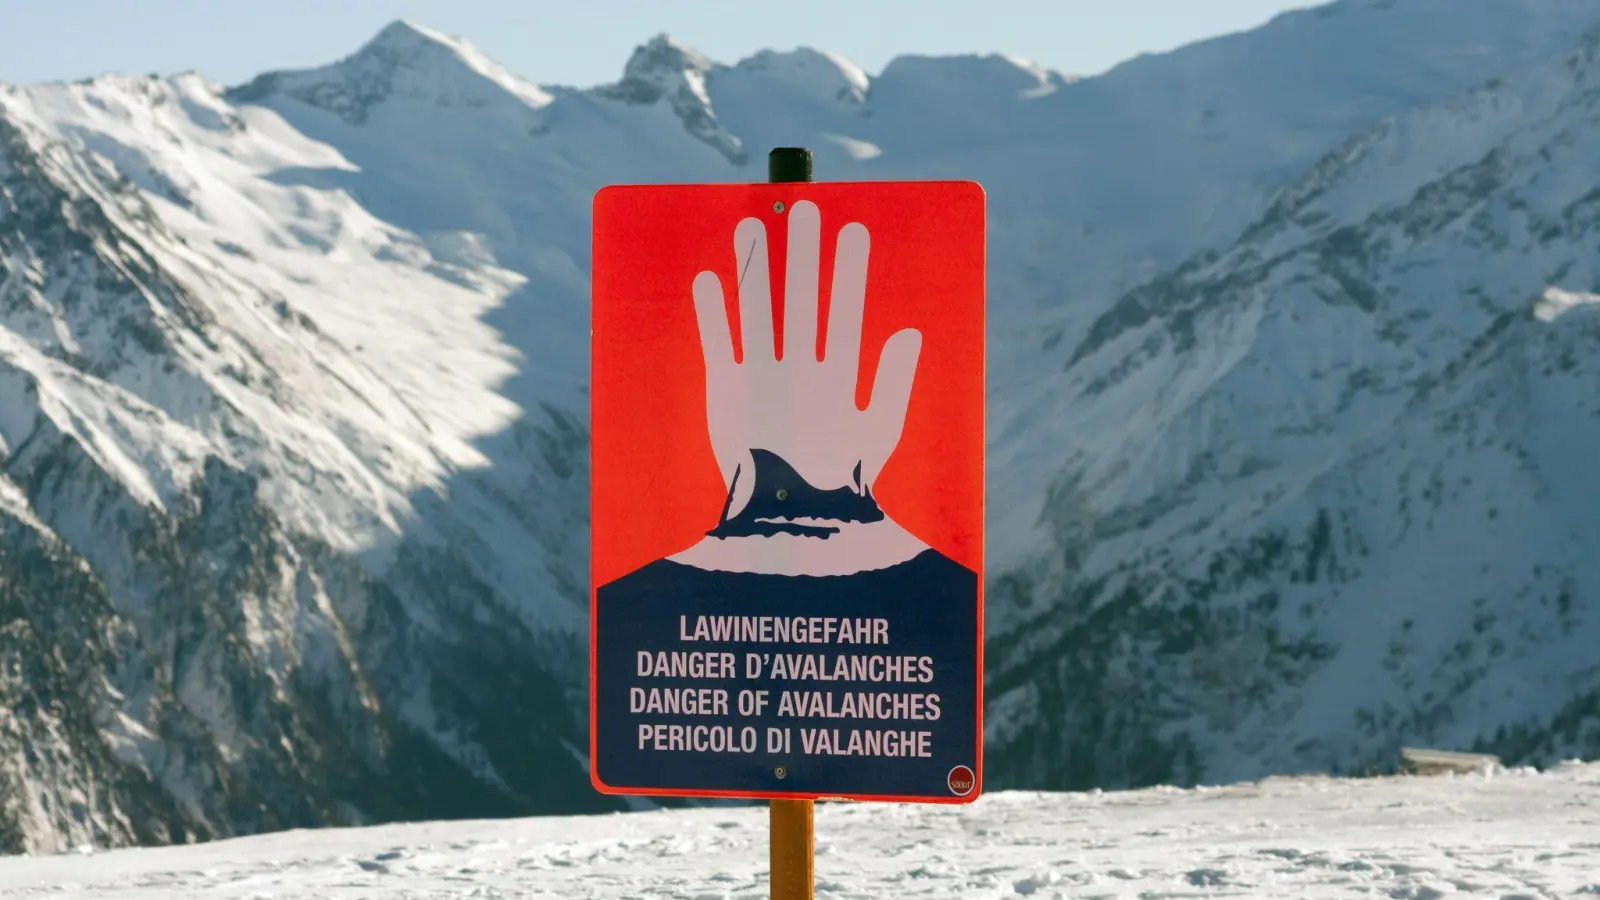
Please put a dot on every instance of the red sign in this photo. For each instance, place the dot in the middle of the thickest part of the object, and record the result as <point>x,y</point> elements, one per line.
<point>787,411</point>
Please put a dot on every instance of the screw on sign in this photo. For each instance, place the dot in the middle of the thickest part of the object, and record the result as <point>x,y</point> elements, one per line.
<point>787,495</point>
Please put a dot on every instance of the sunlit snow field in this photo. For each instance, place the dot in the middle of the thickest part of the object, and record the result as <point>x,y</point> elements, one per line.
<point>1501,834</point>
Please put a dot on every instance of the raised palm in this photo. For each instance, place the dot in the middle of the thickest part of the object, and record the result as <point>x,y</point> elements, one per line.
<point>793,404</point>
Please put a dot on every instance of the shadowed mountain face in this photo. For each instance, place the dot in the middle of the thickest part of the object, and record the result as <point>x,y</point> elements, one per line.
<point>1291,393</point>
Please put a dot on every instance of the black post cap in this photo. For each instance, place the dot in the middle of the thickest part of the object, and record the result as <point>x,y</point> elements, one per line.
<point>786,164</point>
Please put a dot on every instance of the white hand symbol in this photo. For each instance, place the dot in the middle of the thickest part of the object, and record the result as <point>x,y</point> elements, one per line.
<point>798,407</point>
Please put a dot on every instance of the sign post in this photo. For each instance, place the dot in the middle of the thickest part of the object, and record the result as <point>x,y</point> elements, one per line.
<point>787,495</point>
<point>792,856</point>
<point>791,824</point>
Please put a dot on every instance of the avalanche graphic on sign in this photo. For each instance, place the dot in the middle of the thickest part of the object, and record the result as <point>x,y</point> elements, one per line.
<point>807,644</point>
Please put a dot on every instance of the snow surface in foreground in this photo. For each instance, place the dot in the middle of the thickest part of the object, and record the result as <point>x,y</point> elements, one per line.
<point>1516,834</point>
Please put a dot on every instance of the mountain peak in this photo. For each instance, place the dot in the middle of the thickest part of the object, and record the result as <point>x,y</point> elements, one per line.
<point>403,59</point>
<point>406,42</point>
<point>813,71</point>
<point>973,75</point>
<point>664,68</point>
<point>403,32</point>
<point>663,52</point>
<point>666,62</point>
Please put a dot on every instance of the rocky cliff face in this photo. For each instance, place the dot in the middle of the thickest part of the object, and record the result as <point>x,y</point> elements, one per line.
<point>1291,392</point>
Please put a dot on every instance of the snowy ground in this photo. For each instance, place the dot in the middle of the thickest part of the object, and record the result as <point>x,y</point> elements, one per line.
<point>1501,835</point>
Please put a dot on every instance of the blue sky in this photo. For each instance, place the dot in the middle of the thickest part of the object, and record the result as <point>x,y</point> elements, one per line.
<point>583,42</point>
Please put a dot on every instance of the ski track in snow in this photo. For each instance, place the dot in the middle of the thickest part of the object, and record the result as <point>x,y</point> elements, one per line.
<point>1500,834</point>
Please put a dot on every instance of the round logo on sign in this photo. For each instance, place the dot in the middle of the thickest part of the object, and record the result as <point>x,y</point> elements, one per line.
<point>961,781</point>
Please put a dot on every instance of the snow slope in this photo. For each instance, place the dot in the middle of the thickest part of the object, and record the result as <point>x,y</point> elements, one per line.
<point>1498,834</point>
<point>254,412</point>
<point>1331,487</point>
<point>294,381</point>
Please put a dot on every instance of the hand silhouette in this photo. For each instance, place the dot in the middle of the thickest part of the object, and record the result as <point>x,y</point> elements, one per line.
<point>795,405</point>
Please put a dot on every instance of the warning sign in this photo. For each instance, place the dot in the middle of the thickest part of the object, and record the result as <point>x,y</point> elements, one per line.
<point>787,495</point>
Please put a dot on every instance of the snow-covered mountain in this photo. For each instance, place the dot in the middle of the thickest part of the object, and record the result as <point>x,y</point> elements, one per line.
<point>1288,409</point>
<point>1330,488</point>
